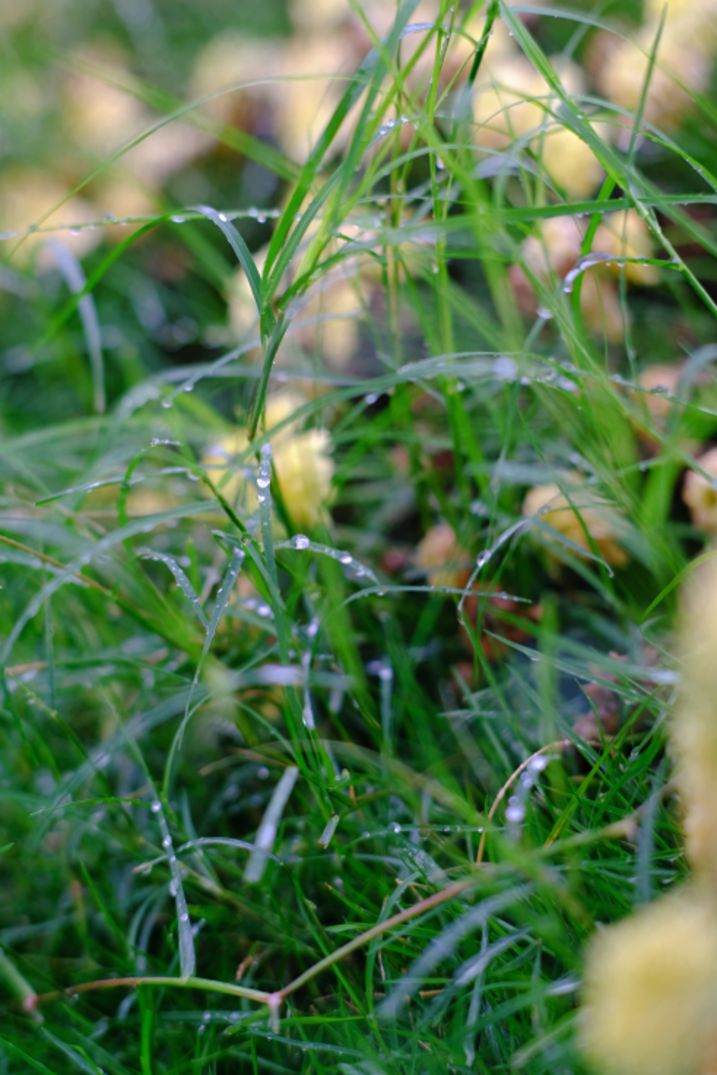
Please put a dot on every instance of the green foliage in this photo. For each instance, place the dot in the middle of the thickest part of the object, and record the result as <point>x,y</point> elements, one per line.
<point>228,749</point>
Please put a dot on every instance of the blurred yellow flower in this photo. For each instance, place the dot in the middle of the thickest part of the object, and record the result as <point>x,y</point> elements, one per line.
<point>694,730</point>
<point>442,558</point>
<point>589,515</point>
<point>700,495</point>
<point>551,255</point>
<point>570,162</point>
<point>513,100</point>
<point>651,989</point>
<point>26,195</point>
<point>302,464</point>
<point>620,70</point>
<point>626,235</point>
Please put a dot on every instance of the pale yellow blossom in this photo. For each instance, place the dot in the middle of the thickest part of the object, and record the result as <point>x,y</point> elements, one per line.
<point>589,514</point>
<point>651,989</point>
<point>570,162</point>
<point>27,196</point>
<point>626,235</point>
<point>700,495</point>
<point>694,730</point>
<point>442,558</point>
<point>550,256</point>
<point>621,71</point>
<point>302,464</point>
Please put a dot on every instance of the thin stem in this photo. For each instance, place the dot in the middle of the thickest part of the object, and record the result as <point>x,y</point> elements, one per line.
<point>209,984</point>
<point>55,563</point>
<point>363,938</point>
<point>560,744</point>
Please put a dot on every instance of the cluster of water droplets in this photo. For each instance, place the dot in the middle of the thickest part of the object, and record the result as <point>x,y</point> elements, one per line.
<point>517,804</point>
<point>588,261</point>
<point>352,566</point>
<point>264,479</point>
<point>176,890</point>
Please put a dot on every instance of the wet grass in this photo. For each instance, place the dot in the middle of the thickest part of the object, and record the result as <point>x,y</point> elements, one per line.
<point>277,797</point>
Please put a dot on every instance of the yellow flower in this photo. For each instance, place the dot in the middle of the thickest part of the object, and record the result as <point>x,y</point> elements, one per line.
<point>700,495</point>
<point>622,68</point>
<point>442,558</point>
<point>304,470</point>
<point>591,516</point>
<point>554,253</point>
<point>651,989</point>
<point>694,731</point>
<point>570,162</point>
<point>626,235</point>
<point>302,464</point>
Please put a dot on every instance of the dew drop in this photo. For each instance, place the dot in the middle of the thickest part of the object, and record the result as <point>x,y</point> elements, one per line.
<point>167,841</point>
<point>301,541</point>
<point>538,764</point>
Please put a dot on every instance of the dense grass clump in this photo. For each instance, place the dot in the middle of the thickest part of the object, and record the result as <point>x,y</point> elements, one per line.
<point>346,494</point>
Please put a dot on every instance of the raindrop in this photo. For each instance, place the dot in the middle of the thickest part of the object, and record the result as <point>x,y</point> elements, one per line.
<point>538,764</point>
<point>396,828</point>
<point>371,398</point>
<point>172,888</point>
<point>263,610</point>
<point>201,1029</point>
<point>184,917</point>
<point>345,558</point>
<point>156,807</point>
<point>544,313</point>
<point>483,557</point>
<point>167,841</point>
<point>262,773</point>
<point>207,1017</point>
<point>74,231</point>
<point>505,368</point>
<point>301,541</point>
<point>223,217</point>
<point>515,813</point>
<point>588,261</point>
<point>178,219</point>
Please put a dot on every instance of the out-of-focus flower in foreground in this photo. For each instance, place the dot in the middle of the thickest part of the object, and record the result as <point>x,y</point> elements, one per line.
<point>302,464</point>
<point>442,558</point>
<point>700,494</point>
<point>589,517</point>
<point>651,981</point>
<point>651,989</point>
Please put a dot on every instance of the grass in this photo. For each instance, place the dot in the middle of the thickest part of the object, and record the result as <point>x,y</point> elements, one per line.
<point>267,796</point>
